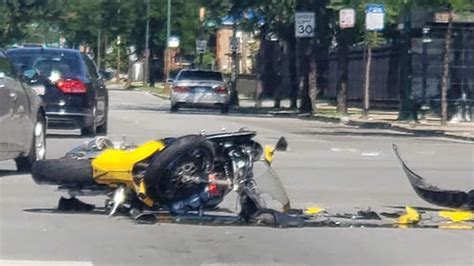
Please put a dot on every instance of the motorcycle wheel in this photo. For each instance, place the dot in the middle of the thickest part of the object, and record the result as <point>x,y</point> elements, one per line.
<point>64,171</point>
<point>191,155</point>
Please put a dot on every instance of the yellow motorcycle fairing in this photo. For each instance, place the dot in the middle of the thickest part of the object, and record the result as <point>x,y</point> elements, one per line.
<point>113,167</point>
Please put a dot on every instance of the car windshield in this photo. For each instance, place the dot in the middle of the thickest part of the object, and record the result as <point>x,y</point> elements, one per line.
<point>200,75</point>
<point>53,66</point>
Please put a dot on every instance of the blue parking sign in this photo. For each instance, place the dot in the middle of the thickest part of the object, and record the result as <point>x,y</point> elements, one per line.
<point>374,17</point>
<point>374,8</point>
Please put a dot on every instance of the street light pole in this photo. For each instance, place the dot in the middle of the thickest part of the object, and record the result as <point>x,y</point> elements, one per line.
<point>168,32</point>
<point>117,74</point>
<point>146,72</point>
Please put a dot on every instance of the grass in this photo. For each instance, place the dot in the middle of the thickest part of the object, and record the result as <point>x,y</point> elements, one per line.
<point>332,111</point>
<point>158,89</point>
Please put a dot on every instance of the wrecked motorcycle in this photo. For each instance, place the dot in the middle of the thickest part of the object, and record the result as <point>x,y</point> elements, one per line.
<point>189,173</point>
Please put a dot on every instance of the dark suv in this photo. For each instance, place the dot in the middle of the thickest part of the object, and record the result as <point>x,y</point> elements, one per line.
<point>75,96</point>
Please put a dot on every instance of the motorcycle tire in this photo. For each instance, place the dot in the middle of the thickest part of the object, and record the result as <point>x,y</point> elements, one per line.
<point>162,178</point>
<point>66,172</point>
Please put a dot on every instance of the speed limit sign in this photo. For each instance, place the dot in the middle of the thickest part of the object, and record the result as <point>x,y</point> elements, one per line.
<point>304,24</point>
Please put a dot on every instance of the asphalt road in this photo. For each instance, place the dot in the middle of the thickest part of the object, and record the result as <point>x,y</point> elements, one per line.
<point>327,165</point>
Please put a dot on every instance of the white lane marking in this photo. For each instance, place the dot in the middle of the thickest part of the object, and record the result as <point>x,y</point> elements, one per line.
<point>343,149</point>
<point>370,154</point>
<point>249,264</point>
<point>44,263</point>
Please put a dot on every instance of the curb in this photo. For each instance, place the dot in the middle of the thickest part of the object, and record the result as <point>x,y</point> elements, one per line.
<point>394,127</point>
<point>161,96</point>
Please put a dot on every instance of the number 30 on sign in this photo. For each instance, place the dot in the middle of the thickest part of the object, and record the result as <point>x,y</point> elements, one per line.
<point>304,24</point>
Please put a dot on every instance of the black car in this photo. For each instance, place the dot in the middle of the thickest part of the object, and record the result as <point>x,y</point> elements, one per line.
<point>22,117</point>
<point>75,95</point>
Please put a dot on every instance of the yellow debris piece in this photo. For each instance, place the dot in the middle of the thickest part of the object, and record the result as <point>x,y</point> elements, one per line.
<point>268,154</point>
<point>410,217</point>
<point>461,226</point>
<point>313,210</point>
<point>456,215</point>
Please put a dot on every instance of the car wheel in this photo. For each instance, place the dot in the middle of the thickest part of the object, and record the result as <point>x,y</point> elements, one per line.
<point>38,147</point>
<point>225,109</point>
<point>102,129</point>
<point>90,131</point>
<point>174,108</point>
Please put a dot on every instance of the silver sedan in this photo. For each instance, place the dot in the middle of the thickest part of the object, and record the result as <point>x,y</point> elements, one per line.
<point>199,88</point>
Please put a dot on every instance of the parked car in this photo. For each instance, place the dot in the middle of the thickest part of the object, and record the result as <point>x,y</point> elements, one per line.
<point>199,88</point>
<point>75,95</point>
<point>22,117</point>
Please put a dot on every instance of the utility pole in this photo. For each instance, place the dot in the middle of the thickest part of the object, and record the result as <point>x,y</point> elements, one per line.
<point>407,106</point>
<point>234,98</point>
<point>168,32</point>
<point>146,72</point>
<point>445,77</point>
<point>117,74</point>
<point>105,46</point>
<point>342,70</point>
<point>98,49</point>
<point>202,14</point>
<point>425,41</point>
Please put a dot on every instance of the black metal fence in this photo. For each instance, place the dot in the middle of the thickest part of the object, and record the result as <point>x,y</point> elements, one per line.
<point>384,77</point>
<point>428,48</point>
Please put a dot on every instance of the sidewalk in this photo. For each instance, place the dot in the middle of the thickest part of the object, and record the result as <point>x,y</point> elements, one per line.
<point>378,119</point>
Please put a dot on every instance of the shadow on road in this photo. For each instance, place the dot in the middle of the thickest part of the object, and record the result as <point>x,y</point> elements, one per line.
<point>96,211</point>
<point>5,173</point>
<point>67,136</point>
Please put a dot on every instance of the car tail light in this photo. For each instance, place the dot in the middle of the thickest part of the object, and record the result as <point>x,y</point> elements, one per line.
<point>221,89</point>
<point>180,89</point>
<point>72,86</point>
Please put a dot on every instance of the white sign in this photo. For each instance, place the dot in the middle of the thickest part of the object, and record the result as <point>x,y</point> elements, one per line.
<point>304,24</point>
<point>201,46</point>
<point>173,42</point>
<point>346,18</point>
<point>374,17</point>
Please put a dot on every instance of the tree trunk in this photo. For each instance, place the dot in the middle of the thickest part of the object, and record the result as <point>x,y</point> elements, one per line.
<point>342,70</point>
<point>365,112</point>
<point>444,79</point>
<point>407,109</point>
<point>313,85</point>
<point>304,62</point>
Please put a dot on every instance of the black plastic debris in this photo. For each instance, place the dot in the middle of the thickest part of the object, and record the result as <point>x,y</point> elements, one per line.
<point>455,199</point>
<point>367,215</point>
<point>74,205</point>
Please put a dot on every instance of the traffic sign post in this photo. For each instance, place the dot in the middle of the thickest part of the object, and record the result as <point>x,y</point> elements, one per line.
<point>374,21</point>
<point>304,24</point>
